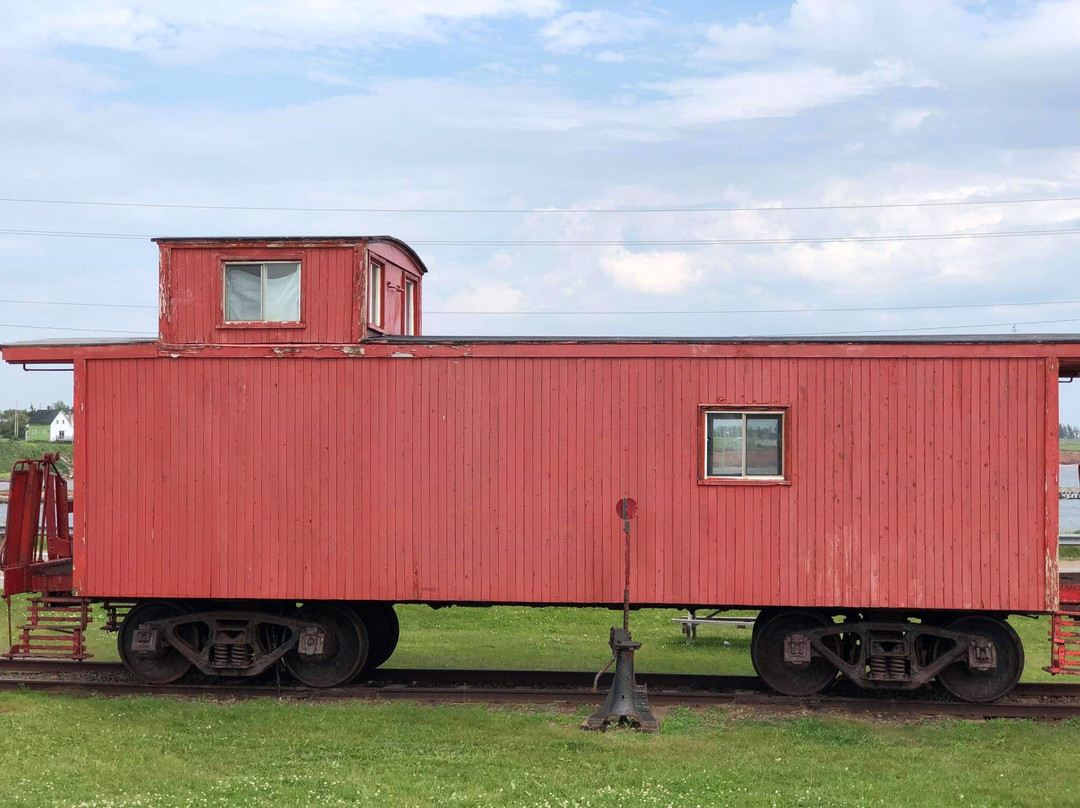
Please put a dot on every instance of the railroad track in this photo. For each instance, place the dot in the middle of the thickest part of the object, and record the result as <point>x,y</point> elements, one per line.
<point>1035,700</point>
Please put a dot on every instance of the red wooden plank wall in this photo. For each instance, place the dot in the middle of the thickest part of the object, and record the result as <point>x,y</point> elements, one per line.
<point>915,483</point>
<point>192,305</point>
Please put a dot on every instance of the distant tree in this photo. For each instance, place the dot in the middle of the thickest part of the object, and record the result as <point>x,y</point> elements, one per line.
<point>13,424</point>
<point>1068,432</point>
<point>61,405</point>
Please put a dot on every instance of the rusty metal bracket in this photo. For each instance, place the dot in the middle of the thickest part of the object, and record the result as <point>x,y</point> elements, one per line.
<point>982,655</point>
<point>797,649</point>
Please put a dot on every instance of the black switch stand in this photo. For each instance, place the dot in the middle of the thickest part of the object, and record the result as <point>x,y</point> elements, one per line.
<point>627,702</point>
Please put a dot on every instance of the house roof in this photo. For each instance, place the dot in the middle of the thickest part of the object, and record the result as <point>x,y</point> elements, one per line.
<point>42,417</point>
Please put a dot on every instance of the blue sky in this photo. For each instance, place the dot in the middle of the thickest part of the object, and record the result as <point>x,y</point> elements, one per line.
<point>541,104</point>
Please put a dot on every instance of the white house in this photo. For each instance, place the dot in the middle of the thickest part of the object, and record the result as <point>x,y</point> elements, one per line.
<point>52,425</point>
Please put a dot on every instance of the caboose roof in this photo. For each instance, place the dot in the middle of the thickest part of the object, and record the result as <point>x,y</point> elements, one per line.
<point>787,339</point>
<point>1063,347</point>
<point>292,241</point>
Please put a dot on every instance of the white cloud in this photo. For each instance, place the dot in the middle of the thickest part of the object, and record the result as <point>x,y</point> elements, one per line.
<point>577,30</point>
<point>326,77</point>
<point>198,30</point>
<point>742,42</point>
<point>655,271</point>
<point>766,94</point>
<point>903,120</point>
<point>481,296</point>
<point>611,57</point>
<point>952,42</point>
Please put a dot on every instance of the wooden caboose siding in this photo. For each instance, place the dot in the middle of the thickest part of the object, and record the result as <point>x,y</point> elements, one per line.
<point>191,298</point>
<point>397,267</point>
<point>914,483</point>
<point>333,290</point>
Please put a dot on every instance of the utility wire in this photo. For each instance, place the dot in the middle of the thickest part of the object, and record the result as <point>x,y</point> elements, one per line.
<point>66,328</point>
<point>771,311</point>
<point>632,243</point>
<point>721,209</point>
<point>798,334</point>
<point>931,328</point>
<point>91,305</point>
<point>554,312</point>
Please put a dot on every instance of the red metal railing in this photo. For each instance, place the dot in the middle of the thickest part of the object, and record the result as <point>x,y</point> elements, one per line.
<point>36,553</point>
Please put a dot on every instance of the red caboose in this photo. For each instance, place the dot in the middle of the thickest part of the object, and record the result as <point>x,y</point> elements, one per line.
<point>289,459</point>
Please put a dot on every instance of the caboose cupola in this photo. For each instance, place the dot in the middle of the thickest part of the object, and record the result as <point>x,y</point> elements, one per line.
<point>302,290</point>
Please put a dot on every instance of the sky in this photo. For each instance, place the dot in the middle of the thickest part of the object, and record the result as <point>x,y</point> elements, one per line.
<point>827,119</point>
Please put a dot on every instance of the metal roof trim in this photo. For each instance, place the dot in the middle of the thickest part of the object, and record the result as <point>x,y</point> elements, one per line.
<point>343,241</point>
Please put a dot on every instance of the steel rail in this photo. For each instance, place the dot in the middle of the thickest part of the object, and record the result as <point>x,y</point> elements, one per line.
<point>1034,700</point>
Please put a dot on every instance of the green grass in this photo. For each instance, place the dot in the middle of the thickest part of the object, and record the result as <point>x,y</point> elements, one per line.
<point>560,639</point>
<point>73,752</point>
<point>564,639</point>
<point>12,450</point>
<point>97,753</point>
<point>1069,445</point>
<point>576,639</point>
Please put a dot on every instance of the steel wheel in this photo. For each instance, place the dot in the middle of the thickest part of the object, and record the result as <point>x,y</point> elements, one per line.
<point>383,629</point>
<point>345,647</point>
<point>767,654</point>
<point>159,667</point>
<point>982,686</point>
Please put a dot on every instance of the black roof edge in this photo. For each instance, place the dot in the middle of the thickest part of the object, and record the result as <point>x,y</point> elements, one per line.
<point>789,339</point>
<point>295,240</point>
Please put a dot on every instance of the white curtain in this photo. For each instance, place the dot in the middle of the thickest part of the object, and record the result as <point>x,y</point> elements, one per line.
<point>243,293</point>
<point>282,302</point>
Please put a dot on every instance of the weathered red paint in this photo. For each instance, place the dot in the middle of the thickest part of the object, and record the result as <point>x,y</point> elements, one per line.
<point>489,480</point>
<point>333,288</point>
<point>321,463</point>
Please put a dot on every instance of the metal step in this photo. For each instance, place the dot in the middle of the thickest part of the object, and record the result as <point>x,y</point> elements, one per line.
<point>55,630</point>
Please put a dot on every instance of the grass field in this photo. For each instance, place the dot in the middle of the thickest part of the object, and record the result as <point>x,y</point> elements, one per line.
<point>139,753</point>
<point>565,639</point>
<point>68,752</point>
<point>12,450</point>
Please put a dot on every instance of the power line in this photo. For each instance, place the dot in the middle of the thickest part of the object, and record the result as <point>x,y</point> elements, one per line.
<point>931,328</point>
<point>633,243</point>
<point>66,328</point>
<point>772,311</point>
<point>553,312</point>
<point>718,209</point>
<point>71,303</point>
<point>799,334</point>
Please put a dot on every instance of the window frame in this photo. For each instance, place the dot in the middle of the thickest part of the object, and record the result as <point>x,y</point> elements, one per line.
<point>376,294</point>
<point>408,307</point>
<point>784,478</point>
<point>226,262</point>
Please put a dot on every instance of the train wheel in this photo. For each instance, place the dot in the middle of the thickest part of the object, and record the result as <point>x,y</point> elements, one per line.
<point>164,664</point>
<point>383,629</point>
<point>968,684</point>
<point>767,654</point>
<point>345,647</point>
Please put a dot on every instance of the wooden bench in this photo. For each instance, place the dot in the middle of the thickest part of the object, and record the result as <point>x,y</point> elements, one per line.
<point>691,622</point>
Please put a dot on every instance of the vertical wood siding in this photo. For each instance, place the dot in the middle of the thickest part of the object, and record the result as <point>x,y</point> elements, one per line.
<point>192,306</point>
<point>914,483</point>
